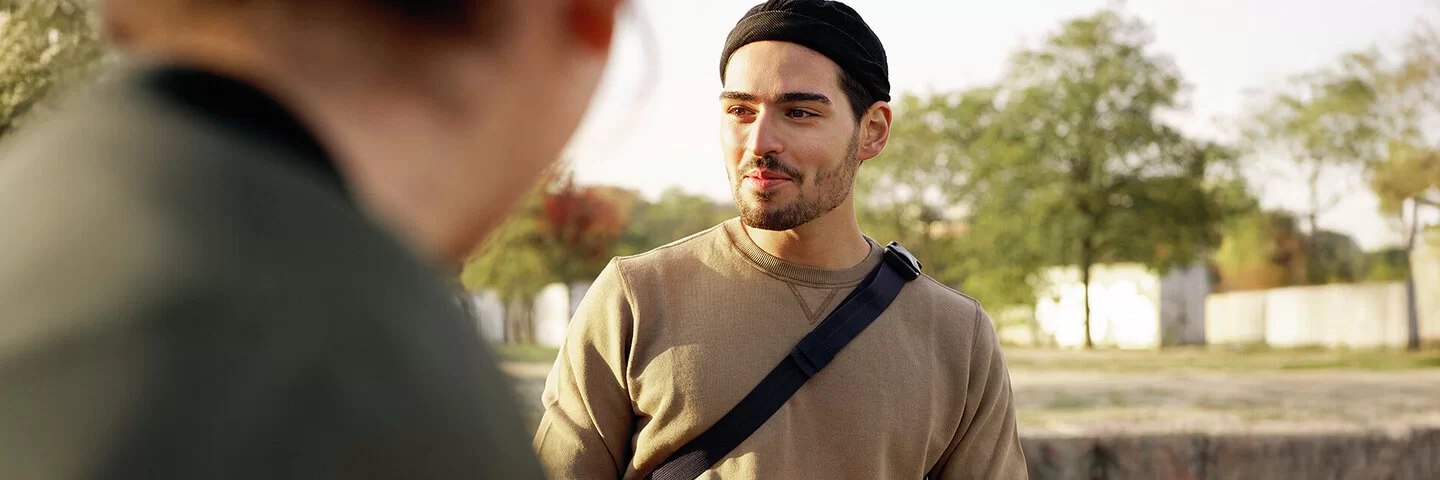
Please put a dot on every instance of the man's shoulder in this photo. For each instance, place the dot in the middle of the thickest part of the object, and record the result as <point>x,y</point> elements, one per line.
<point>681,254</point>
<point>957,306</point>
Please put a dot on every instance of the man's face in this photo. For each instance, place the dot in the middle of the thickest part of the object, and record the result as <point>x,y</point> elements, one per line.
<point>789,136</point>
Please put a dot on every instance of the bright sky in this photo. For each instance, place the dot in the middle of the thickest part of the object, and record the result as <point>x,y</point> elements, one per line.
<point>661,131</point>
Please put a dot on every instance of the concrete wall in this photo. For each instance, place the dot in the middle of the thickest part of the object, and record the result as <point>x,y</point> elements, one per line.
<point>1354,316</point>
<point>489,314</point>
<point>577,293</point>
<point>552,315</point>
<point>1182,305</point>
<point>1412,455</point>
<point>1016,326</point>
<point>1425,263</point>
<point>1361,316</point>
<point>1235,318</point>
<point>554,306</point>
<point>1130,307</point>
<point>1124,306</point>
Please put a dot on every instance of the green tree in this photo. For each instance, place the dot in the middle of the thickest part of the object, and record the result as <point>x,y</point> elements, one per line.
<point>1102,178</point>
<point>1408,170</point>
<point>1387,265</point>
<point>514,262</point>
<point>1261,250</point>
<point>921,192</point>
<point>1327,118</point>
<point>1336,258</point>
<point>675,215</point>
<point>558,232</point>
<point>43,44</point>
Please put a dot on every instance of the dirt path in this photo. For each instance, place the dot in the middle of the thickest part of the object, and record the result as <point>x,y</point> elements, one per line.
<point>1085,402</point>
<point>1059,401</point>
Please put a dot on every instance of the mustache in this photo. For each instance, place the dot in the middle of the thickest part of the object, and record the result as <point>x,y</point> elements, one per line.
<point>774,164</point>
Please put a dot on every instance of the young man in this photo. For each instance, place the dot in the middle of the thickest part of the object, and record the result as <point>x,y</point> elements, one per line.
<point>227,263</point>
<point>667,342</point>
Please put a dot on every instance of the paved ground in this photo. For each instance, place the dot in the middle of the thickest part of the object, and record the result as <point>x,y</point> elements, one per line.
<point>1062,393</point>
<point>1314,401</point>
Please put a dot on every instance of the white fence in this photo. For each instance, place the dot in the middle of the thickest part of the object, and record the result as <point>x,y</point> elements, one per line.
<point>1130,307</point>
<point>1359,316</point>
<point>550,316</point>
<point>1235,318</point>
<point>1372,315</point>
<point>489,312</point>
<point>1349,316</point>
<point>1425,263</point>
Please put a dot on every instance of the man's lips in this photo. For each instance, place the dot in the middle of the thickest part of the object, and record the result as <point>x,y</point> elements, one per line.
<point>765,179</point>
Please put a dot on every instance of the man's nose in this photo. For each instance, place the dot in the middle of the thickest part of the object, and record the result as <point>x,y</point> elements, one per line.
<point>765,136</point>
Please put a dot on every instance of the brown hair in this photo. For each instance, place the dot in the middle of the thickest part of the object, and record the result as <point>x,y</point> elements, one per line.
<point>859,97</point>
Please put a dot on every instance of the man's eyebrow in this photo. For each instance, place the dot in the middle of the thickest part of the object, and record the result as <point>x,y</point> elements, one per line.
<point>788,97</point>
<point>739,96</point>
<point>797,97</point>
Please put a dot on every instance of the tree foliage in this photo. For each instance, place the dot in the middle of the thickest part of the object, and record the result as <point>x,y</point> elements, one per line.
<point>1106,178</point>
<point>673,216</point>
<point>562,232</point>
<point>1326,119</point>
<point>1408,170</point>
<point>1065,162</point>
<point>580,226</point>
<point>1261,250</point>
<point>44,44</point>
<point>919,190</point>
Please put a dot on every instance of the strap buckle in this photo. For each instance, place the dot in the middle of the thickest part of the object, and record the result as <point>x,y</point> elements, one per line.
<point>902,261</point>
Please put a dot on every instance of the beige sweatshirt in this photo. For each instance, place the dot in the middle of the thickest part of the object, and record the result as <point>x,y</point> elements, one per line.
<point>668,341</point>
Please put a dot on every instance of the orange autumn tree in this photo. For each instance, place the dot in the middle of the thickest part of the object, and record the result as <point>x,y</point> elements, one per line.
<point>558,232</point>
<point>581,225</point>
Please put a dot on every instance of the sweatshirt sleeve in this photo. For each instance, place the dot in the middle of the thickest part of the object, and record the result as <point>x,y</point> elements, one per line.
<point>588,422</point>
<point>987,444</point>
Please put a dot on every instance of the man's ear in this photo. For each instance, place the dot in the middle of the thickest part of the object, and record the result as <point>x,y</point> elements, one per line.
<point>593,22</point>
<point>874,130</point>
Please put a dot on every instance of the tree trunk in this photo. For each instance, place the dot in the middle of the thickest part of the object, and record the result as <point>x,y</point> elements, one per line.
<point>518,323</point>
<point>1086,260</point>
<point>1314,184</point>
<point>1312,275</point>
<point>1412,314</point>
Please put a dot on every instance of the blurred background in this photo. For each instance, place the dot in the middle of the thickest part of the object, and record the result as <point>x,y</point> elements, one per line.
<point>1246,192</point>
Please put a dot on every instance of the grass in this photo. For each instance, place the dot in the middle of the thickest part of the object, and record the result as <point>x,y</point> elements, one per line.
<point>1200,359</point>
<point>1250,359</point>
<point>1369,362</point>
<point>1068,401</point>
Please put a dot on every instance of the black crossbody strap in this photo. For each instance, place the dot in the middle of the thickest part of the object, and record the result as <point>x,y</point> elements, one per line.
<point>812,354</point>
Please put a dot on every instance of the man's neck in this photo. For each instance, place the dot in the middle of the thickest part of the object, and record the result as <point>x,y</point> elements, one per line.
<point>833,241</point>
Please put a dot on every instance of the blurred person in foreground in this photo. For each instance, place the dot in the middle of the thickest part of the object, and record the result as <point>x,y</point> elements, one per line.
<point>666,342</point>
<point>228,262</point>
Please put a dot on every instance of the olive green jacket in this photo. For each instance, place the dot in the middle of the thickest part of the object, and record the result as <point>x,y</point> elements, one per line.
<point>187,291</point>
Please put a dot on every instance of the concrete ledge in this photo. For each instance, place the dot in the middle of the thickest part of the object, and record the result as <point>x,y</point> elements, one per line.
<point>1411,455</point>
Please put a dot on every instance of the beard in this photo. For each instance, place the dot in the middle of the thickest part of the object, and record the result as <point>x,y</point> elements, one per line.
<point>831,188</point>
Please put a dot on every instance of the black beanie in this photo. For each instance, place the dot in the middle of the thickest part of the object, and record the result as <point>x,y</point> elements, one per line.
<point>831,28</point>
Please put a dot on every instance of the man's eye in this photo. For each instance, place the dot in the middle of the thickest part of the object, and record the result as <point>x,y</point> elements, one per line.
<point>798,113</point>
<point>739,111</point>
